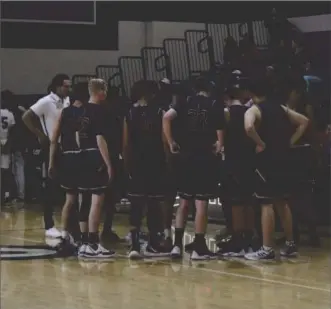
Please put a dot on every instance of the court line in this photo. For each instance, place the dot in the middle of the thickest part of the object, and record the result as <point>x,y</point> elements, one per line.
<point>219,272</point>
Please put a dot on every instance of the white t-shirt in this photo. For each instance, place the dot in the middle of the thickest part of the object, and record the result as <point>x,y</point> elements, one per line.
<point>48,109</point>
<point>7,121</point>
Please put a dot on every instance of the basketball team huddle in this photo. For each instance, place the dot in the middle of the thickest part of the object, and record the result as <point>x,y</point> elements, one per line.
<point>239,150</point>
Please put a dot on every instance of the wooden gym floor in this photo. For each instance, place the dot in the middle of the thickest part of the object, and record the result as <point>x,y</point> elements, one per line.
<point>52,283</point>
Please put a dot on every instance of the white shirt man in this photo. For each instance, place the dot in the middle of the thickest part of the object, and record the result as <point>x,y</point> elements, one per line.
<point>7,122</point>
<point>48,110</point>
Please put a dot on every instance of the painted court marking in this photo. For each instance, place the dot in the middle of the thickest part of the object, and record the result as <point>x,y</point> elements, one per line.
<point>219,272</point>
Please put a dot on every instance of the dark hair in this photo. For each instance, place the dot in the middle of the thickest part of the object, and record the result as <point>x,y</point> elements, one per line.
<point>260,87</point>
<point>113,92</point>
<point>202,84</point>
<point>143,89</point>
<point>6,99</point>
<point>57,81</point>
<point>80,92</point>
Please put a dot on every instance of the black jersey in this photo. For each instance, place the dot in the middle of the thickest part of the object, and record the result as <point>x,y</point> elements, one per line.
<point>275,128</point>
<point>115,113</point>
<point>237,145</point>
<point>80,126</point>
<point>198,119</point>
<point>145,131</point>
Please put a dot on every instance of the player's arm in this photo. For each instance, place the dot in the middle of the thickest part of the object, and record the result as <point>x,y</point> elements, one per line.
<point>100,124</point>
<point>301,123</point>
<point>167,119</point>
<point>252,115</point>
<point>165,143</point>
<point>54,141</point>
<point>31,119</point>
<point>126,146</point>
<point>219,124</point>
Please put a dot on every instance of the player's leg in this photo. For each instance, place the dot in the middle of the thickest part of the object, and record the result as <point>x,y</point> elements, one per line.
<point>185,192</point>
<point>205,187</point>
<point>94,179</point>
<point>112,196</point>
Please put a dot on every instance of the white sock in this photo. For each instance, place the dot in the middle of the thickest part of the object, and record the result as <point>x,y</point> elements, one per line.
<point>167,233</point>
<point>64,234</point>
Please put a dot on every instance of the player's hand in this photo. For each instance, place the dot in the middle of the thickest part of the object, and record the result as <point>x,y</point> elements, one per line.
<point>218,148</point>
<point>51,172</point>
<point>260,148</point>
<point>174,148</point>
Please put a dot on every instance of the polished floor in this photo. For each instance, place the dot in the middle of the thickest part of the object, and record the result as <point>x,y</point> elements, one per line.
<point>39,280</point>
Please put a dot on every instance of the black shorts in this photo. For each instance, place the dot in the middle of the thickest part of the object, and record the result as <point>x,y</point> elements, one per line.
<point>237,186</point>
<point>148,180</point>
<point>84,171</point>
<point>273,177</point>
<point>197,175</point>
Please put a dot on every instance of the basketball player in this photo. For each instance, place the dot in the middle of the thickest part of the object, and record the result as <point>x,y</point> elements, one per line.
<point>166,98</point>
<point>144,158</point>
<point>85,164</point>
<point>268,123</point>
<point>305,161</point>
<point>7,123</point>
<point>201,122</point>
<point>40,120</point>
<point>115,109</point>
<point>237,189</point>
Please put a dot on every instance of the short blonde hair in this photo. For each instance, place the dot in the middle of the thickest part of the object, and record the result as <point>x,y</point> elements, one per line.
<point>96,85</point>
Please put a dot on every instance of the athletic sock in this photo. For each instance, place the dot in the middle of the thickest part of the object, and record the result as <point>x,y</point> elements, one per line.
<point>84,237</point>
<point>266,248</point>
<point>93,239</point>
<point>167,233</point>
<point>179,233</point>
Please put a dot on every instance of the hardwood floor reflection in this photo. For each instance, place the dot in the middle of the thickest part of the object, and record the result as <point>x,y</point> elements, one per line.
<point>303,283</point>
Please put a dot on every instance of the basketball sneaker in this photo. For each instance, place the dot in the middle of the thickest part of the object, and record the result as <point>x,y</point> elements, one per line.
<point>202,253</point>
<point>289,250</point>
<point>81,250</point>
<point>261,254</point>
<point>176,252</point>
<point>96,251</point>
<point>53,233</point>
<point>135,249</point>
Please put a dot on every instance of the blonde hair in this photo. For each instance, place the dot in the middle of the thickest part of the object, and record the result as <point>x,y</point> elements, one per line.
<point>97,84</point>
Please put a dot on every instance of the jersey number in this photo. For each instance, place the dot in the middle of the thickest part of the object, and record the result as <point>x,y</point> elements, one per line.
<point>4,122</point>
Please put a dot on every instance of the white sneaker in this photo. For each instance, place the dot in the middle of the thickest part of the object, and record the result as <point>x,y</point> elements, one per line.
<point>176,252</point>
<point>81,250</point>
<point>99,252</point>
<point>53,233</point>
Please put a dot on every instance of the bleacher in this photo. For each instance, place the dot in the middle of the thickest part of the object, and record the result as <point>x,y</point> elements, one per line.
<point>178,59</point>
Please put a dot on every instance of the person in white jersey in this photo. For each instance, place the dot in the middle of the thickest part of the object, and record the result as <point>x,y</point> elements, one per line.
<point>7,122</point>
<point>41,119</point>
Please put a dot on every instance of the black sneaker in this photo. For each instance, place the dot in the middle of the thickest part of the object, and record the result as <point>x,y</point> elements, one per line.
<point>289,250</point>
<point>261,254</point>
<point>66,247</point>
<point>168,244</point>
<point>233,248</point>
<point>155,251</point>
<point>134,252</point>
<point>202,252</point>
